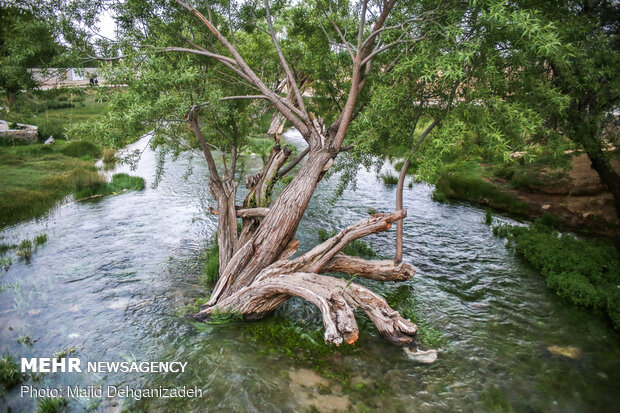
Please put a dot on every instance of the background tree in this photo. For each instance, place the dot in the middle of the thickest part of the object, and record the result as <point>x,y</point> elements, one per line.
<point>19,51</point>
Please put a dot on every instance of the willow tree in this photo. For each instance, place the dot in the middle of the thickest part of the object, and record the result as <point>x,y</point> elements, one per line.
<point>203,69</point>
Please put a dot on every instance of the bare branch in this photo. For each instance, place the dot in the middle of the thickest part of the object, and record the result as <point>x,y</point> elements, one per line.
<point>291,79</point>
<point>344,40</point>
<point>294,162</point>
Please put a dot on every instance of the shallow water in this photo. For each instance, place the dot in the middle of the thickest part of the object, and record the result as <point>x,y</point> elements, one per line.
<point>114,275</point>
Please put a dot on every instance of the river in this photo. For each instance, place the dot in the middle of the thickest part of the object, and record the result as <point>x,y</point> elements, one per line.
<point>114,276</point>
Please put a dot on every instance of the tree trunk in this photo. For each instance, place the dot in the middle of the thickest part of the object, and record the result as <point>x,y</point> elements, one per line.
<point>609,177</point>
<point>398,257</point>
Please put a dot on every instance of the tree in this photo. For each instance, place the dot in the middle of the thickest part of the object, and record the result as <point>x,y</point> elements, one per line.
<point>18,51</point>
<point>586,75</point>
<point>218,60</point>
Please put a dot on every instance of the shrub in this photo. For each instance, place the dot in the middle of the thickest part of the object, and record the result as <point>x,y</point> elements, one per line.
<point>82,149</point>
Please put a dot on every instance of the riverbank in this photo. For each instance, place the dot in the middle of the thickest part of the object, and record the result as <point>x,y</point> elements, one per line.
<point>566,188</point>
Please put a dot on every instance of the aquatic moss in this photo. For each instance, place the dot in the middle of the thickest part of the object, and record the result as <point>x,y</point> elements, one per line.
<point>586,272</point>
<point>402,300</point>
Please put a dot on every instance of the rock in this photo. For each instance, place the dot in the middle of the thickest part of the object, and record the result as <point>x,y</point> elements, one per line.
<point>545,207</point>
<point>569,351</point>
<point>49,141</point>
<point>426,357</point>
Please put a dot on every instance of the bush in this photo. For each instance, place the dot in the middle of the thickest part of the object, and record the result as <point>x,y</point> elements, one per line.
<point>51,128</point>
<point>585,272</point>
<point>81,149</point>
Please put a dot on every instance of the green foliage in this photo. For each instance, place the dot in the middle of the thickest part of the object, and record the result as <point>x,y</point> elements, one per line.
<point>10,375</point>
<point>585,272</point>
<point>464,181</point>
<point>356,248</point>
<point>51,405</point>
<point>18,51</point>
<point>82,149</point>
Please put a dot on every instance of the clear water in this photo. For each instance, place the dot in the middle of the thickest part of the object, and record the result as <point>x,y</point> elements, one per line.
<point>114,275</point>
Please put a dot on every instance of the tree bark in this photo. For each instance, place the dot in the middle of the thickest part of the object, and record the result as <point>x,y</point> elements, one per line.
<point>609,177</point>
<point>398,257</point>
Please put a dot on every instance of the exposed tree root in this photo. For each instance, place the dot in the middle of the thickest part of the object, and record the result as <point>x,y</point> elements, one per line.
<point>335,298</point>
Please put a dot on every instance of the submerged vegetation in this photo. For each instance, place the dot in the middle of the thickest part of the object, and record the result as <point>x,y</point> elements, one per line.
<point>586,272</point>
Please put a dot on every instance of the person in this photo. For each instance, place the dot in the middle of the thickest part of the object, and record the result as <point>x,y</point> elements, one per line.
<point>92,81</point>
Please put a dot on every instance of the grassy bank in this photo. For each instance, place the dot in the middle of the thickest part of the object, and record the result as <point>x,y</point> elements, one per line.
<point>56,110</point>
<point>36,177</point>
<point>586,272</point>
<point>467,181</point>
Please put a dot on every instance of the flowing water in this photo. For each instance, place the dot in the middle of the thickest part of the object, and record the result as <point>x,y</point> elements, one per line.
<point>113,278</point>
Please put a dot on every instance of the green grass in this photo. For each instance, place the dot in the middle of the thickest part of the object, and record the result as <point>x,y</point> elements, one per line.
<point>81,149</point>
<point>34,178</point>
<point>24,249</point>
<point>464,181</point>
<point>586,272</point>
<point>56,110</point>
<point>91,185</point>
